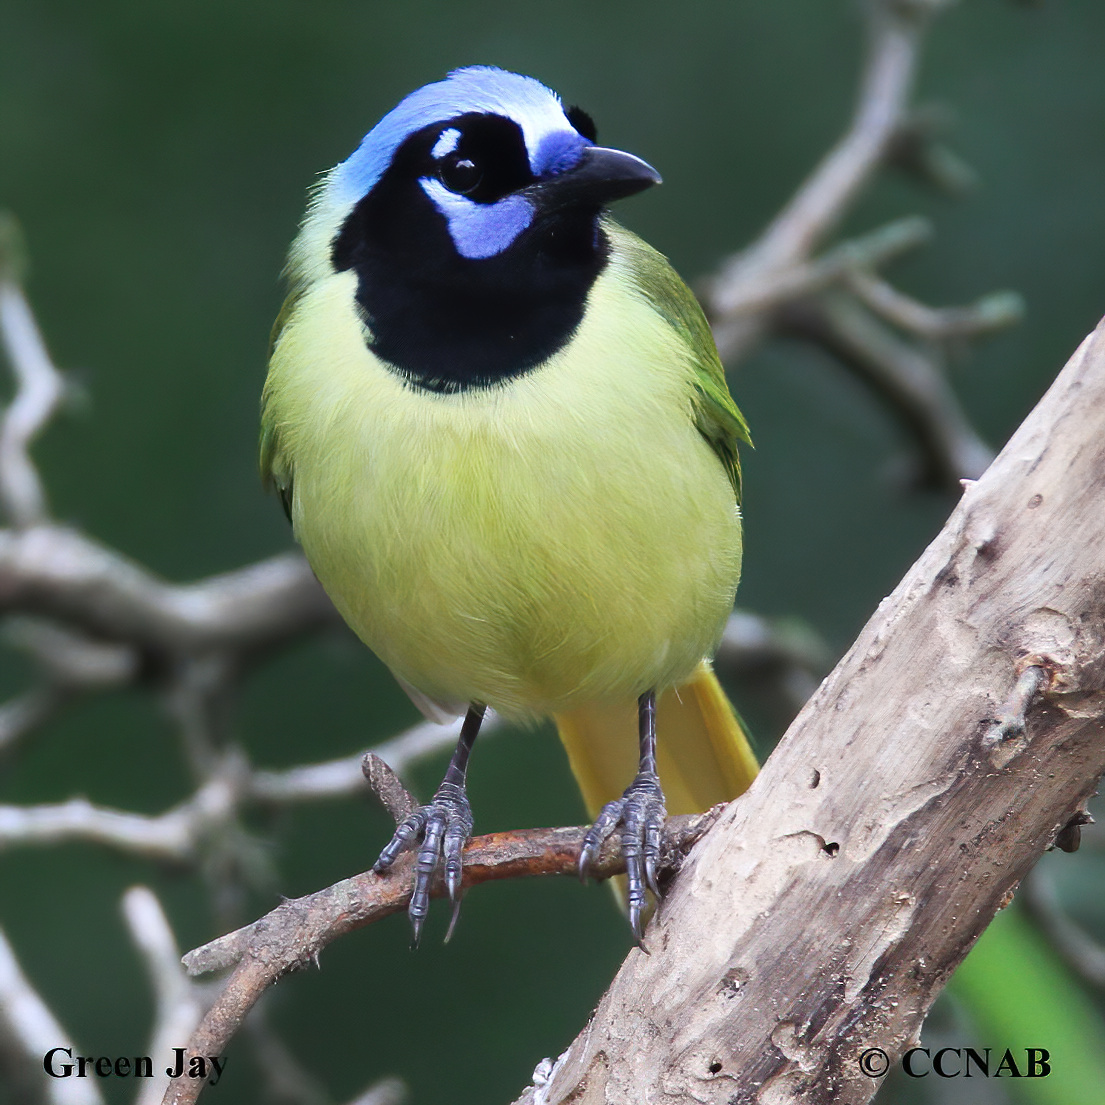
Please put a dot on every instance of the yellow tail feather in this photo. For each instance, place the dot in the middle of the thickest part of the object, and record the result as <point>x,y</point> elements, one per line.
<point>703,755</point>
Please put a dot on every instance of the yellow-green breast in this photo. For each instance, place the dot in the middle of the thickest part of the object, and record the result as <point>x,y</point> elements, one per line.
<point>566,536</point>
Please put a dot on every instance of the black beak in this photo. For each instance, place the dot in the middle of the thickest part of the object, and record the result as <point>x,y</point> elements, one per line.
<point>602,175</point>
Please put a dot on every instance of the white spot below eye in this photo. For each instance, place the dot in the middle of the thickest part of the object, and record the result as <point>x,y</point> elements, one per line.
<point>446,142</point>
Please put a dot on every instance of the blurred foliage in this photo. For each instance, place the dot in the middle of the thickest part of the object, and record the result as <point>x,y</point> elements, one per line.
<point>158,155</point>
<point>1019,992</point>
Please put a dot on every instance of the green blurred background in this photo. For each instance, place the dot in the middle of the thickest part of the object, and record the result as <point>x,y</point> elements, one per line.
<point>158,155</point>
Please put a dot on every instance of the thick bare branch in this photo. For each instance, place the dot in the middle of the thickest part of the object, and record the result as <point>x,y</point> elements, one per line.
<point>887,828</point>
<point>172,836</point>
<point>60,573</point>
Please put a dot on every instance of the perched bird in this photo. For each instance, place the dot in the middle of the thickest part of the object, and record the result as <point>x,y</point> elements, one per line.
<point>499,426</point>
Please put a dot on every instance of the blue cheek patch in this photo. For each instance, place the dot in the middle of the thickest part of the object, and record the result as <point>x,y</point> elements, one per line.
<point>558,152</point>
<point>479,230</point>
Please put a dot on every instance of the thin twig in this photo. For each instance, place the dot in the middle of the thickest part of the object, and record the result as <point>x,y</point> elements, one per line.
<point>388,1091</point>
<point>773,283</point>
<point>784,656</point>
<point>995,311</point>
<point>198,699</point>
<point>1013,720</point>
<point>283,1079</point>
<point>863,253</point>
<point>895,31</point>
<point>293,934</point>
<point>751,641</point>
<point>310,782</point>
<point>39,390</point>
<point>177,999</point>
<point>26,713</point>
<point>917,150</point>
<point>69,664</point>
<point>906,376</point>
<point>33,1030</point>
<point>388,788</point>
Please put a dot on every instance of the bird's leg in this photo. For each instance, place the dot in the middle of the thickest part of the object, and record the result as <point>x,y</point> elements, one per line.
<point>443,827</point>
<point>640,811</point>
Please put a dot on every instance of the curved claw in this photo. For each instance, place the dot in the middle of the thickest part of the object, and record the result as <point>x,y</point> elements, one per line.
<point>453,920</point>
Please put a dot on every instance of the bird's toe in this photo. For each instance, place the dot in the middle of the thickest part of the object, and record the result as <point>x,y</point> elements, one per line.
<point>440,830</point>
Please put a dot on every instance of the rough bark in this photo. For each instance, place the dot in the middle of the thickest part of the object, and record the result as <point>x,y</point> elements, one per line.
<point>827,908</point>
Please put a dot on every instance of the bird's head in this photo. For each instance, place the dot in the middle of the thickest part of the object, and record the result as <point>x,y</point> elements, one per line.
<point>470,215</point>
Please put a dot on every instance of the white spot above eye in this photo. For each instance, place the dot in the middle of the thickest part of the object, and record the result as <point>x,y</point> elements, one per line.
<point>446,142</point>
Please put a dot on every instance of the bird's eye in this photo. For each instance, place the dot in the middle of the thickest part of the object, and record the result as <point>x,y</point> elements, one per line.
<point>460,175</point>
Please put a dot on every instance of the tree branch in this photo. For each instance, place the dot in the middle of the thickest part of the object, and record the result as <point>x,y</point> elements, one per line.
<point>178,1003</point>
<point>57,572</point>
<point>904,375</point>
<point>895,31</point>
<point>28,1026</point>
<point>774,285</point>
<point>830,904</point>
<point>196,637</point>
<point>39,390</point>
<point>293,934</point>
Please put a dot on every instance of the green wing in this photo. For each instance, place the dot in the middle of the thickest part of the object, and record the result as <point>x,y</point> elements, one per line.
<point>716,415</point>
<point>276,472</point>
